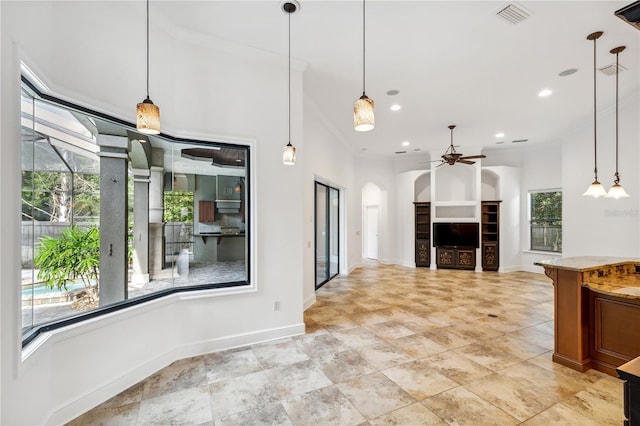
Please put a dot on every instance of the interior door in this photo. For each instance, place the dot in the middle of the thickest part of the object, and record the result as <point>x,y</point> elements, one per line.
<point>371,237</point>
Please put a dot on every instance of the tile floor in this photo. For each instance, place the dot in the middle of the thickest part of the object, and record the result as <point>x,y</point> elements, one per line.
<point>388,345</point>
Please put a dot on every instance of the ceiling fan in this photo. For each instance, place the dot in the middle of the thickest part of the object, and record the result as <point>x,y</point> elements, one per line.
<point>452,157</point>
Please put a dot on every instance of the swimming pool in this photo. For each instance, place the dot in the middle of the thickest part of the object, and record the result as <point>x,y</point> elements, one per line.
<point>39,290</point>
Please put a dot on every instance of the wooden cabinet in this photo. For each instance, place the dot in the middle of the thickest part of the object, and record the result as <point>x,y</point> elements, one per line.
<point>423,234</point>
<point>456,257</point>
<point>206,211</point>
<point>490,235</point>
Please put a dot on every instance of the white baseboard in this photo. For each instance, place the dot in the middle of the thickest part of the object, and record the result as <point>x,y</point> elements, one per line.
<point>310,301</point>
<point>532,268</point>
<point>139,372</point>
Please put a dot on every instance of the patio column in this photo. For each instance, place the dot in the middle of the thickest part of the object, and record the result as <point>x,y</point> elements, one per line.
<point>113,218</point>
<point>156,209</point>
<point>140,226</point>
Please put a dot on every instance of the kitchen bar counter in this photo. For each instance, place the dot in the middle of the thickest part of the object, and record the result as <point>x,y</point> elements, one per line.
<point>218,235</point>
<point>596,311</point>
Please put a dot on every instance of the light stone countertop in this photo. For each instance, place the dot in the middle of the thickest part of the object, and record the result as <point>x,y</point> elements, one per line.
<point>627,286</point>
<point>585,263</point>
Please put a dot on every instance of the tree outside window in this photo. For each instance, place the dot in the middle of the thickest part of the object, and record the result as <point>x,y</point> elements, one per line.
<point>546,221</point>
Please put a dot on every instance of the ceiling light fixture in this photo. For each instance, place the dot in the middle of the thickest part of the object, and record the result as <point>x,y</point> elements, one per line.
<point>148,114</point>
<point>500,135</point>
<point>395,107</point>
<point>289,152</point>
<point>596,189</point>
<point>617,191</point>
<point>544,93</point>
<point>406,143</point>
<point>363,109</point>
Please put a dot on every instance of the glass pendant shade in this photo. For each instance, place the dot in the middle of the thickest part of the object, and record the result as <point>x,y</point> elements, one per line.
<point>289,155</point>
<point>595,190</point>
<point>148,117</point>
<point>363,114</point>
<point>617,191</point>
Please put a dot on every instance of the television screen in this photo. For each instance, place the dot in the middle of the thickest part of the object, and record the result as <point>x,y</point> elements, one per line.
<point>457,234</point>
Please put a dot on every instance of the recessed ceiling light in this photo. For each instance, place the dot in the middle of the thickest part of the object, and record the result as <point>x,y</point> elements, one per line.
<point>544,92</point>
<point>395,107</point>
<point>568,72</point>
<point>406,143</point>
<point>500,135</point>
<point>393,92</point>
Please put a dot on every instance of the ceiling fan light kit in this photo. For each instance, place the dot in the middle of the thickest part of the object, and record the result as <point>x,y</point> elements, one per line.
<point>451,156</point>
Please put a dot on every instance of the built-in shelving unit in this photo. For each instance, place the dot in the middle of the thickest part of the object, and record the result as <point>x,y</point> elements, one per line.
<point>423,234</point>
<point>490,235</point>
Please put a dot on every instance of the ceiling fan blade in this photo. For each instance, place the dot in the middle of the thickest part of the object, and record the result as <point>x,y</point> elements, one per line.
<point>466,161</point>
<point>441,164</point>
<point>468,157</point>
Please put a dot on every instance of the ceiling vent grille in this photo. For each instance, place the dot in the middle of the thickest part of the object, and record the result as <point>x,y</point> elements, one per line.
<point>520,141</point>
<point>514,13</point>
<point>400,152</point>
<point>611,69</point>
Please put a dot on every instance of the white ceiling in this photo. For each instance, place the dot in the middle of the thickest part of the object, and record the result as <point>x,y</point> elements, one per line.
<point>453,62</point>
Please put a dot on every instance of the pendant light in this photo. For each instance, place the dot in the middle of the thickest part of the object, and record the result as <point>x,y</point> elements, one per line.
<point>363,109</point>
<point>289,152</point>
<point>148,114</point>
<point>596,189</point>
<point>617,191</point>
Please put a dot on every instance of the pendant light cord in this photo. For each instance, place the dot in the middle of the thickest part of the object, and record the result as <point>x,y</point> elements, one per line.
<point>289,78</point>
<point>147,49</point>
<point>617,179</point>
<point>595,137</point>
<point>364,23</point>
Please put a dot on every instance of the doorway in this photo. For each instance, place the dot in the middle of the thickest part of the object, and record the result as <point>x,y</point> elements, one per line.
<point>371,233</point>
<point>327,231</point>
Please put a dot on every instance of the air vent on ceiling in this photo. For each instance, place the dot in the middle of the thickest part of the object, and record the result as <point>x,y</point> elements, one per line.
<point>630,14</point>
<point>520,141</point>
<point>611,69</point>
<point>400,152</point>
<point>514,13</point>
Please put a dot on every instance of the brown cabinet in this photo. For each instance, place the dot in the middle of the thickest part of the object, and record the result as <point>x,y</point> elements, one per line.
<point>490,233</point>
<point>456,257</point>
<point>423,234</point>
<point>206,211</point>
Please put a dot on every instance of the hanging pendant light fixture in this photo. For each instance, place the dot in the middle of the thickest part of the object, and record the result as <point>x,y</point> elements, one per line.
<point>617,191</point>
<point>363,109</point>
<point>596,189</point>
<point>289,152</point>
<point>148,114</point>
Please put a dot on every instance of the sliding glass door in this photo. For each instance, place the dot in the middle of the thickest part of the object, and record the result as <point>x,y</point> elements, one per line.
<point>327,231</point>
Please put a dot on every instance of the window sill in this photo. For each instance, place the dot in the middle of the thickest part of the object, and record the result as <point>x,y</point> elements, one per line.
<point>548,253</point>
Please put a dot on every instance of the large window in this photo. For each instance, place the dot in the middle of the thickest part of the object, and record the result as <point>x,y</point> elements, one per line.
<point>546,220</point>
<point>111,217</point>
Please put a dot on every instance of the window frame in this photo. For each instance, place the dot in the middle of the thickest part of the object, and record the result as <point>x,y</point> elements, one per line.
<point>204,290</point>
<point>531,219</point>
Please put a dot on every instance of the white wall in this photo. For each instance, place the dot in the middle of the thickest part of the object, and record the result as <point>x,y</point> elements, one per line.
<point>91,56</point>
<point>542,170</point>
<point>327,159</point>
<point>405,217</point>
<point>613,225</point>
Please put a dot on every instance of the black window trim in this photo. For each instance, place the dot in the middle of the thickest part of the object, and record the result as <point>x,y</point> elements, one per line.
<point>31,335</point>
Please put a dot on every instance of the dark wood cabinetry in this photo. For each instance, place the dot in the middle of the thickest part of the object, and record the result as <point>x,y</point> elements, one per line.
<point>456,257</point>
<point>490,235</point>
<point>206,211</point>
<point>630,373</point>
<point>423,234</point>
